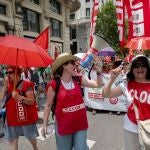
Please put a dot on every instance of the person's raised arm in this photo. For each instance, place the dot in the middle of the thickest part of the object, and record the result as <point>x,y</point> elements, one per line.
<point>91,83</point>
<point>108,91</point>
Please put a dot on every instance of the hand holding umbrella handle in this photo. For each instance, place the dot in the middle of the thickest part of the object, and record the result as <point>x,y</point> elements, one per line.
<point>16,96</point>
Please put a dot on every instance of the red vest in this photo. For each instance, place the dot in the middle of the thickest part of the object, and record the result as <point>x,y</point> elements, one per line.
<point>140,92</point>
<point>17,113</point>
<point>70,111</point>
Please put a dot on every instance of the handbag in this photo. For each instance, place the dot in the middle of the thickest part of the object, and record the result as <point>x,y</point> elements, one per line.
<point>143,130</point>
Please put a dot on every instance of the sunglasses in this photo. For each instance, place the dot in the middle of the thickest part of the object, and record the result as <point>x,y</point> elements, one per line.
<point>70,62</point>
<point>9,72</point>
<point>138,65</point>
<point>125,64</point>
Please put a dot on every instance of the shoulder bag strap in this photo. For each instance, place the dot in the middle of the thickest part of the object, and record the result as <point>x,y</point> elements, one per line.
<point>136,111</point>
<point>55,97</point>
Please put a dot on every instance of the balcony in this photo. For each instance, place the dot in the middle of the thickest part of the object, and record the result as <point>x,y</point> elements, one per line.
<point>74,5</point>
<point>80,21</point>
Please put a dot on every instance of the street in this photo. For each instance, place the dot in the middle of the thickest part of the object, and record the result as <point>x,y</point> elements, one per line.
<point>105,133</point>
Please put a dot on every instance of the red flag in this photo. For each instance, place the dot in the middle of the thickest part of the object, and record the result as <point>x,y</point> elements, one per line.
<point>134,2</point>
<point>120,15</point>
<point>43,39</point>
<point>93,19</point>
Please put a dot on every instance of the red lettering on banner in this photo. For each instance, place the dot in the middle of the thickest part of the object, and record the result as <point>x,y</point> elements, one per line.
<point>95,96</point>
<point>113,100</point>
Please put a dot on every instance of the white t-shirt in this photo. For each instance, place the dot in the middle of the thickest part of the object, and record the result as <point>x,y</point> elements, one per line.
<point>128,125</point>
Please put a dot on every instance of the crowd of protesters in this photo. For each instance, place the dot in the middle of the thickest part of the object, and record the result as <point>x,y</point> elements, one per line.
<point>62,88</point>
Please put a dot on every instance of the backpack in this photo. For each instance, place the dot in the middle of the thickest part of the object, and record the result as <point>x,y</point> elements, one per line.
<point>57,80</point>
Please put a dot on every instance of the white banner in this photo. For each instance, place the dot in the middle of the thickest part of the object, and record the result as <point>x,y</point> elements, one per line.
<point>94,99</point>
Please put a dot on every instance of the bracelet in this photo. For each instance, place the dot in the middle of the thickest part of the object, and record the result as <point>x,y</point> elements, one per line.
<point>98,73</point>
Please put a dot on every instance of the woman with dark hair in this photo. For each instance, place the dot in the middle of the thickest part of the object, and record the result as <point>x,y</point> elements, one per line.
<point>70,112</point>
<point>21,111</point>
<point>136,89</point>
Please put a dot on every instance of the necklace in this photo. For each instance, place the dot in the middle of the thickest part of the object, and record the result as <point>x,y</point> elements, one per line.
<point>68,85</point>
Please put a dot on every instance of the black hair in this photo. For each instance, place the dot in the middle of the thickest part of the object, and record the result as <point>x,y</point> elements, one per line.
<point>143,59</point>
<point>19,70</point>
<point>59,71</point>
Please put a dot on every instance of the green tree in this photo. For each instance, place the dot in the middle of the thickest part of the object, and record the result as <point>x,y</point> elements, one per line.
<point>107,25</point>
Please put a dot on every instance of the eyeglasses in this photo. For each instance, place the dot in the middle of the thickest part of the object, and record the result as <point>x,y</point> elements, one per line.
<point>138,65</point>
<point>9,72</point>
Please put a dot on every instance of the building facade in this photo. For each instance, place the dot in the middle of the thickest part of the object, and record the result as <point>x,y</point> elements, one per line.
<point>80,26</point>
<point>28,18</point>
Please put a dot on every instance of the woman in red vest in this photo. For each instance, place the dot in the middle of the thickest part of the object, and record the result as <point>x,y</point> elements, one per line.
<point>21,111</point>
<point>70,112</point>
<point>137,89</point>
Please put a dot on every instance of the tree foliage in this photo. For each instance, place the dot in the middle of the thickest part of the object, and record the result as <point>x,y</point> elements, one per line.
<point>107,25</point>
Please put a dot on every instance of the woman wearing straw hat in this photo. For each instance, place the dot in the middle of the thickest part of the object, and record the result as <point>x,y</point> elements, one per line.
<point>70,112</point>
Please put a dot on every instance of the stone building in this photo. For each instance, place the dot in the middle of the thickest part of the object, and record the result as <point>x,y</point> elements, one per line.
<point>81,24</point>
<point>28,18</point>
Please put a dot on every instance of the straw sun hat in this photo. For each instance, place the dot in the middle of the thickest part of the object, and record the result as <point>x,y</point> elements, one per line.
<point>61,59</point>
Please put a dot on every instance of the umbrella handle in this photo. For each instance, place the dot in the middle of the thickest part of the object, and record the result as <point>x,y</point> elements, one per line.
<point>16,71</point>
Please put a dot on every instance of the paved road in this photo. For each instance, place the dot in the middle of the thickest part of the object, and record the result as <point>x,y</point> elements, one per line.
<point>105,133</point>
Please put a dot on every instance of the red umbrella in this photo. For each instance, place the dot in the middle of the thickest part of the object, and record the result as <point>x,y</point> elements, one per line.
<point>139,43</point>
<point>18,51</point>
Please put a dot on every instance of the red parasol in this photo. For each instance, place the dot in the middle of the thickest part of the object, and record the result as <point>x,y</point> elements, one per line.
<point>139,43</point>
<point>18,51</point>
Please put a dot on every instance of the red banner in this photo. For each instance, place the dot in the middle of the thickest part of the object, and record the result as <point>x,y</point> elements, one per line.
<point>138,13</point>
<point>93,19</point>
<point>120,10</point>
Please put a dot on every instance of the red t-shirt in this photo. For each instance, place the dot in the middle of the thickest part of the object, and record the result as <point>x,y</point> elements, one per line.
<point>140,93</point>
<point>17,113</point>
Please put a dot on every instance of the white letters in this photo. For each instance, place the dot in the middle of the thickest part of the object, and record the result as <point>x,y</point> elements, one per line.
<point>73,108</point>
<point>21,112</point>
<point>143,96</point>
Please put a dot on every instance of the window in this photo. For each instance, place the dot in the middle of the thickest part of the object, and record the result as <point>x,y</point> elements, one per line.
<point>3,9</point>
<point>87,11</point>
<point>55,27</point>
<point>55,6</point>
<point>35,1</point>
<point>73,33</point>
<point>87,1</point>
<point>72,16</point>
<point>2,34</point>
<point>30,20</point>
